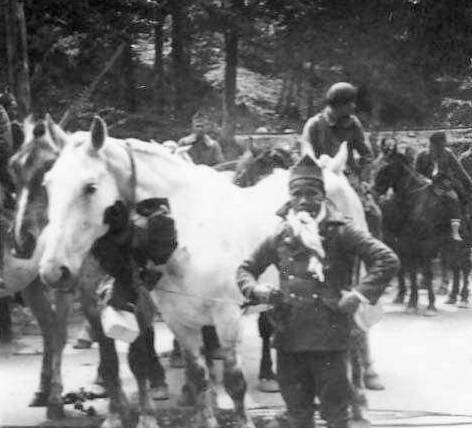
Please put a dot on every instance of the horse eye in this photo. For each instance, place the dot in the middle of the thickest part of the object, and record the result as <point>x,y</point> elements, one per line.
<point>90,188</point>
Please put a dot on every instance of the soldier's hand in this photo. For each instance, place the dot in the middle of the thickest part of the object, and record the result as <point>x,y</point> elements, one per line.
<point>349,302</point>
<point>263,292</point>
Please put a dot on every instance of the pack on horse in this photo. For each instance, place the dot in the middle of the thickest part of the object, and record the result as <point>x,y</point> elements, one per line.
<point>419,220</point>
<point>43,143</point>
<point>218,224</point>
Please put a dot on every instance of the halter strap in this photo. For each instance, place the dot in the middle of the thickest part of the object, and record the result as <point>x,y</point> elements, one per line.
<point>133,178</point>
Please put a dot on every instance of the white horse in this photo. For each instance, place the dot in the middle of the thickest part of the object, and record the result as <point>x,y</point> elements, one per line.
<point>218,225</point>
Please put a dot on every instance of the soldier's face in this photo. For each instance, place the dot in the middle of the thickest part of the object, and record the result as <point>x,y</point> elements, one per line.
<point>307,195</point>
<point>199,128</point>
<point>346,109</point>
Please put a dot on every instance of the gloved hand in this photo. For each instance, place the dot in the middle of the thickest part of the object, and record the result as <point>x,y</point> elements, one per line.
<point>349,302</point>
<point>263,292</point>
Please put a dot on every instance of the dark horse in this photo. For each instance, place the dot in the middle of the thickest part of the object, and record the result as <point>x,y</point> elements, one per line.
<point>42,145</point>
<point>417,219</point>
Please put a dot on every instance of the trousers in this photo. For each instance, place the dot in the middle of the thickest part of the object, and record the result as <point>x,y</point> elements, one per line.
<point>305,375</point>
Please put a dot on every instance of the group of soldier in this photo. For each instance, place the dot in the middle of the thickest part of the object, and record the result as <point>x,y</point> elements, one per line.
<point>314,250</point>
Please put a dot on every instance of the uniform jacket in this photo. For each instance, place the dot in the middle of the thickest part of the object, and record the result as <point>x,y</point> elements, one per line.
<point>207,151</point>
<point>449,168</point>
<point>326,136</point>
<point>307,318</point>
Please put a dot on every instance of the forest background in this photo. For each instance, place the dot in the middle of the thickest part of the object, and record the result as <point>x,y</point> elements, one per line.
<point>147,66</point>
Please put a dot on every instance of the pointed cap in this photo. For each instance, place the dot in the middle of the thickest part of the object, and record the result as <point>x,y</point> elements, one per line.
<point>306,169</point>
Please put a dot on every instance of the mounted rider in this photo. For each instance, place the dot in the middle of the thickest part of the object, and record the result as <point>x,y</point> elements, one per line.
<point>450,179</point>
<point>202,148</point>
<point>314,250</point>
<point>325,132</point>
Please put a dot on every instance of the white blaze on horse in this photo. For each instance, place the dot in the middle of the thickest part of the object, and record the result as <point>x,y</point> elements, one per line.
<point>218,225</point>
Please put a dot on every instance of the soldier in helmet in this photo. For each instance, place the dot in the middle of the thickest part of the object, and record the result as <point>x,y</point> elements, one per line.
<point>312,311</point>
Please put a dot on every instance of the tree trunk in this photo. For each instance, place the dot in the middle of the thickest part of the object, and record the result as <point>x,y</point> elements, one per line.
<point>11,36</point>
<point>159,49</point>
<point>180,62</point>
<point>17,54</point>
<point>229,96</point>
<point>128,83</point>
<point>23,83</point>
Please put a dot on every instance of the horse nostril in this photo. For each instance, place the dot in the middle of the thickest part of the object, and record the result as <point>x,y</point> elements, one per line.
<point>65,273</point>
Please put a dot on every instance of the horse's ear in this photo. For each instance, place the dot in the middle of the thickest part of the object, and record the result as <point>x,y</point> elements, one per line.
<point>338,163</point>
<point>99,132</point>
<point>58,136</point>
<point>252,148</point>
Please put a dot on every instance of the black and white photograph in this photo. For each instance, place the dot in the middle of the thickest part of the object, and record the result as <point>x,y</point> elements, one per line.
<point>235,213</point>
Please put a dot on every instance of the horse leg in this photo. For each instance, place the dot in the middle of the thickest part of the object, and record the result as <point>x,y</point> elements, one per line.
<point>267,377</point>
<point>455,285</point>
<point>6,332</point>
<point>157,374</point>
<point>197,377</point>
<point>36,299</point>
<point>428,275</point>
<point>465,285</point>
<point>399,299</point>
<point>413,301</point>
<point>63,302</point>
<point>444,274</point>
<point>228,325</point>
<point>140,363</point>
<point>108,369</point>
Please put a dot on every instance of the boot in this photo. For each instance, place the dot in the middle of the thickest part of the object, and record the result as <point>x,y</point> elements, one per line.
<point>455,227</point>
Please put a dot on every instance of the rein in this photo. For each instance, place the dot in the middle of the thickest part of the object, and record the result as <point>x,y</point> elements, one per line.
<point>133,180</point>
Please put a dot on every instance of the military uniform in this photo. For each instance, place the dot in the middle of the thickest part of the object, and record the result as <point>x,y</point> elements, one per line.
<point>449,176</point>
<point>325,135</point>
<point>203,151</point>
<point>311,333</point>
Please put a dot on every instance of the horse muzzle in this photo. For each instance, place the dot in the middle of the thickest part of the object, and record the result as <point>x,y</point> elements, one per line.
<point>25,248</point>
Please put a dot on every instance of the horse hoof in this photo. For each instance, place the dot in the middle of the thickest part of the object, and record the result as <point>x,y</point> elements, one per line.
<point>147,421</point>
<point>113,420</point>
<point>55,411</point>
<point>463,304</point>
<point>40,399</point>
<point>411,310</point>
<point>160,392</point>
<point>431,312</point>
<point>451,301</point>
<point>268,385</point>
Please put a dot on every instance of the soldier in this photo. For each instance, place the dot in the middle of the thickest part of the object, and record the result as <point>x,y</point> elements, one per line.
<point>451,181</point>
<point>314,251</point>
<point>326,131</point>
<point>203,150</point>
<point>323,134</point>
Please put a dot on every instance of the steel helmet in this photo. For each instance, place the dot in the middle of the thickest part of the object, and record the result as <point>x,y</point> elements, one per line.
<point>341,93</point>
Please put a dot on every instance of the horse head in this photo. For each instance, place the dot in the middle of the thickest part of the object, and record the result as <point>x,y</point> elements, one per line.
<point>393,167</point>
<point>256,164</point>
<point>80,187</point>
<point>43,140</point>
